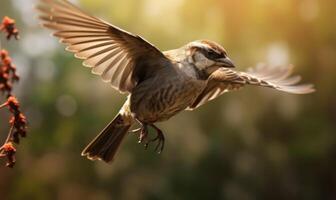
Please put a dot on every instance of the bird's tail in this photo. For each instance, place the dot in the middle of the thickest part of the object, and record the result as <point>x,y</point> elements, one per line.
<point>106,144</point>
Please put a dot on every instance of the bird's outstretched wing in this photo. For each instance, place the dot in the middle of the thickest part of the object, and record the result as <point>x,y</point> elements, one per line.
<point>226,80</point>
<point>110,51</point>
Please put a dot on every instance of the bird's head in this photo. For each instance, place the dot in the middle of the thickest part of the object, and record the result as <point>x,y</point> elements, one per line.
<point>207,56</point>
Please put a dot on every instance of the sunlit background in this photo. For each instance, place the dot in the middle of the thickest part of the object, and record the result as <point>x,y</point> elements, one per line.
<point>251,144</point>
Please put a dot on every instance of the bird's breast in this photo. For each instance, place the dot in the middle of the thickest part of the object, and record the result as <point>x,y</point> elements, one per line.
<point>161,98</point>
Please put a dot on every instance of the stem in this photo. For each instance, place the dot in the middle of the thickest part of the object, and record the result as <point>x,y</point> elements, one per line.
<point>10,134</point>
<point>0,41</point>
<point>3,105</point>
<point>8,139</point>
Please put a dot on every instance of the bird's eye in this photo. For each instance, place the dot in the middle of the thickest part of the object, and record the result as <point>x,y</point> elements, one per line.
<point>213,55</point>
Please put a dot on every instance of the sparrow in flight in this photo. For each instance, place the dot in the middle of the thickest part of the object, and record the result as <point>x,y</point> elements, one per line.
<point>158,84</point>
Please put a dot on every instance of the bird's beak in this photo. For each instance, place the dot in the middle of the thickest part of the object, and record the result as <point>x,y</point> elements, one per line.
<point>225,62</point>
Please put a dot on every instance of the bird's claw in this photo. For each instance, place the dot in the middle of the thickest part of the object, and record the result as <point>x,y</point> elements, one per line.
<point>144,134</point>
<point>160,142</point>
<point>135,130</point>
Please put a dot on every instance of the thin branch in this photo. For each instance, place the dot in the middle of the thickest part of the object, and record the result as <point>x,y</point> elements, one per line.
<point>4,105</point>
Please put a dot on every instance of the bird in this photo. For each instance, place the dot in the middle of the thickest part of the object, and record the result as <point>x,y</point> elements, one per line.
<point>158,84</point>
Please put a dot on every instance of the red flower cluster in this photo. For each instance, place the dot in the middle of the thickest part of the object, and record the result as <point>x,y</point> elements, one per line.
<point>18,120</point>
<point>8,26</point>
<point>8,76</point>
<point>18,129</point>
<point>8,150</point>
<point>7,73</point>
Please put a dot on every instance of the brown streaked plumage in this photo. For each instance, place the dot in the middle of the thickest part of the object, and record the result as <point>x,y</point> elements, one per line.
<point>214,46</point>
<point>158,84</point>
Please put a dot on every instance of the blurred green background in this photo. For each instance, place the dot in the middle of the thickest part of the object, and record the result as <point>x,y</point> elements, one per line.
<point>252,144</point>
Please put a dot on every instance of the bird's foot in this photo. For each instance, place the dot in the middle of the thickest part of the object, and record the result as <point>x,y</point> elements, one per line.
<point>159,138</point>
<point>137,130</point>
<point>143,134</point>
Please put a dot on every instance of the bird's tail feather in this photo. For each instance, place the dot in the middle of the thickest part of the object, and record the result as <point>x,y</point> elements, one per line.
<point>106,144</point>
